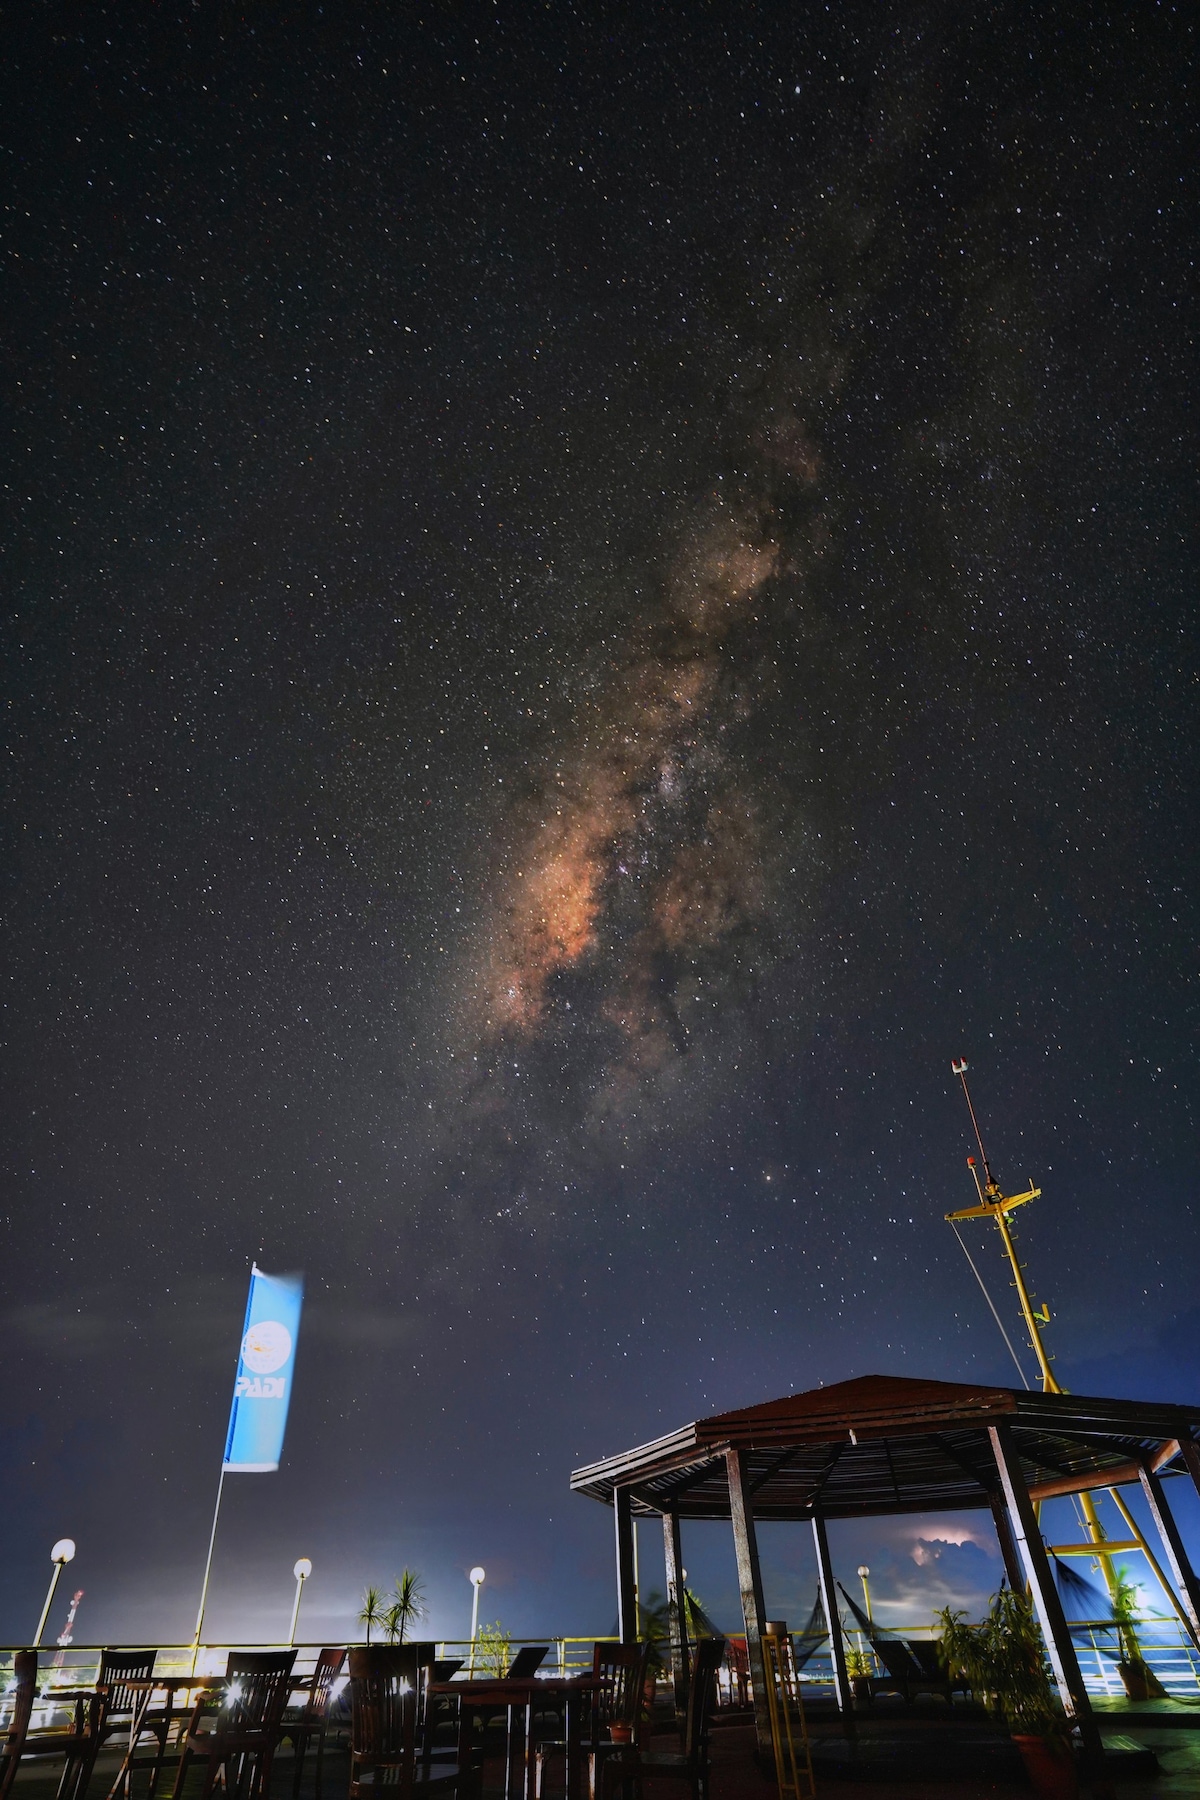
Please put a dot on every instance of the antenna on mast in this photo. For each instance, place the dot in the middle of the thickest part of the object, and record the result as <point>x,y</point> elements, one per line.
<point>960,1069</point>
<point>995,1204</point>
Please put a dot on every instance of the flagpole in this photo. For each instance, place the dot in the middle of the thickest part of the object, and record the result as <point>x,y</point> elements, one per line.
<point>212,1538</point>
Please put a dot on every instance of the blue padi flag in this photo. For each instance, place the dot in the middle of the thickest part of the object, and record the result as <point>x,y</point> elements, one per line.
<point>264,1374</point>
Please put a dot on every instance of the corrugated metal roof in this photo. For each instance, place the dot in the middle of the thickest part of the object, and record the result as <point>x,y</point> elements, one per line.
<point>883,1443</point>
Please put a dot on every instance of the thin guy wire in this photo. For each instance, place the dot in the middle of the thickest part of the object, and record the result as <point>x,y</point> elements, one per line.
<point>988,1298</point>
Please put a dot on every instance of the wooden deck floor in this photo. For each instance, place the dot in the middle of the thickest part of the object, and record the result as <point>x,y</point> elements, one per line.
<point>929,1741</point>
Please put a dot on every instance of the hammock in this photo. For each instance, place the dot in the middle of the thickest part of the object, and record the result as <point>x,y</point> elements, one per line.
<point>877,1634</point>
<point>911,1663</point>
<point>1082,1599</point>
<point>807,1642</point>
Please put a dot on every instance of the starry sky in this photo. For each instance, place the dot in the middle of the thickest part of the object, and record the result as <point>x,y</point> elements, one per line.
<point>591,593</point>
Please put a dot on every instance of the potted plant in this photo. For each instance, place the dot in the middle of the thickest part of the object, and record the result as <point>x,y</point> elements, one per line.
<point>1004,1660</point>
<point>860,1668</point>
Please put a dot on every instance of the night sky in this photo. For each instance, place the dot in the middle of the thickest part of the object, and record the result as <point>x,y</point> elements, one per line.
<point>590,594</point>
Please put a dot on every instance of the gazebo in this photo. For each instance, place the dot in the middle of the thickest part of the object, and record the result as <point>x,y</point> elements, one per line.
<point>888,1444</point>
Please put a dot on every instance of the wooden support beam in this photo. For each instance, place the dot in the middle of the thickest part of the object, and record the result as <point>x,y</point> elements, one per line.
<point>1178,1560</point>
<point>1190,1453</point>
<point>1013,1566</point>
<point>772,1469</point>
<point>837,1647</point>
<point>1119,1475</point>
<point>627,1619</point>
<point>676,1607</point>
<point>1059,1646</point>
<point>745,1544</point>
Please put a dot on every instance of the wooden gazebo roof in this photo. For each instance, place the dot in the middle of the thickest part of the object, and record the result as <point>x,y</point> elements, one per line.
<point>888,1444</point>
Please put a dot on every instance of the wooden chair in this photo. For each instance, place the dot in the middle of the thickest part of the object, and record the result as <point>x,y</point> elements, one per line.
<point>78,1745</point>
<point>913,1668</point>
<point>527,1662</point>
<point>241,1743</point>
<point>384,1703</point>
<point>620,1672</point>
<point>310,1720</point>
<point>690,1763</point>
<point>117,1669</point>
<point>439,1713</point>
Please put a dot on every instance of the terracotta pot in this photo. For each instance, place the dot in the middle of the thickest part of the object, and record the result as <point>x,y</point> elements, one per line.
<point>1140,1681</point>
<point>620,1733</point>
<point>1050,1765</point>
<point>860,1687</point>
<point>1133,1679</point>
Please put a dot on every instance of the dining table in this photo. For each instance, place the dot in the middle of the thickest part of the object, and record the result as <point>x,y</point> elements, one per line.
<point>518,1697</point>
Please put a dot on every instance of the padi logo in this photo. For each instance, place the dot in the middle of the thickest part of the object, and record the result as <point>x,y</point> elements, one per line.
<point>265,1348</point>
<point>260,1387</point>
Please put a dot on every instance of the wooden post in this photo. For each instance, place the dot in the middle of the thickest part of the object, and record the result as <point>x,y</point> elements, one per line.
<point>1177,1557</point>
<point>1008,1548</point>
<point>837,1647</point>
<point>754,1609</point>
<point>627,1619</point>
<point>676,1607</point>
<point>1190,1453</point>
<point>1059,1646</point>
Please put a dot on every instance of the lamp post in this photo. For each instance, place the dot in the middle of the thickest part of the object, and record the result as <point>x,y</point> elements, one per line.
<point>301,1570</point>
<point>866,1592</point>
<point>476,1579</point>
<point>60,1555</point>
<point>863,1572</point>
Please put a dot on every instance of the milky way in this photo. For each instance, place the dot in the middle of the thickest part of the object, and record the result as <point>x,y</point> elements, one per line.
<point>652,873</point>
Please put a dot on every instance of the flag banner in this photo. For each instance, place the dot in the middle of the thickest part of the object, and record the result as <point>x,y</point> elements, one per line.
<point>264,1374</point>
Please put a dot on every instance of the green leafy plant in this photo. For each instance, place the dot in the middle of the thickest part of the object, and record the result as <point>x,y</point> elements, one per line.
<point>654,1626</point>
<point>492,1651</point>
<point>654,1630</point>
<point>1140,1680</point>
<point>1124,1609</point>
<point>1004,1660</point>
<point>407,1608</point>
<point>859,1663</point>
<point>698,1622</point>
<point>373,1613</point>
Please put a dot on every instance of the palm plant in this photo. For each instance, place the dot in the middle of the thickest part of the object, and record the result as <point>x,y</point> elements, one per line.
<point>406,1608</point>
<point>372,1610</point>
<point>654,1630</point>
<point>1004,1659</point>
<point>654,1626</point>
<point>698,1622</point>
<point>1141,1683</point>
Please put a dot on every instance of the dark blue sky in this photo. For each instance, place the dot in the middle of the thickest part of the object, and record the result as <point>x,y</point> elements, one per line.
<point>588,601</point>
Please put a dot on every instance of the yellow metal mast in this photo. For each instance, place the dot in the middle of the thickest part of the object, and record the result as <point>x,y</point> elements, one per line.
<point>995,1204</point>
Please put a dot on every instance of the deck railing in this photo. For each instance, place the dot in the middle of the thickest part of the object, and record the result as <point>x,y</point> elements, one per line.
<point>1165,1647</point>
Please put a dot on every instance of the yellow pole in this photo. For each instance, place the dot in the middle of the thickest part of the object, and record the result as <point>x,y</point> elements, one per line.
<point>1032,1322</point>
<point>996,1205</point>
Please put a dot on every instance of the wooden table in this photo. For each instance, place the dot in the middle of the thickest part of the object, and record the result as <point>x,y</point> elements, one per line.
<point>494,1694</point>
<point>146,1688</point>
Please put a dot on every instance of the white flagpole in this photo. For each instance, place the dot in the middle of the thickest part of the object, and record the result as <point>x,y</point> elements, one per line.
<point>212,1538</point>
